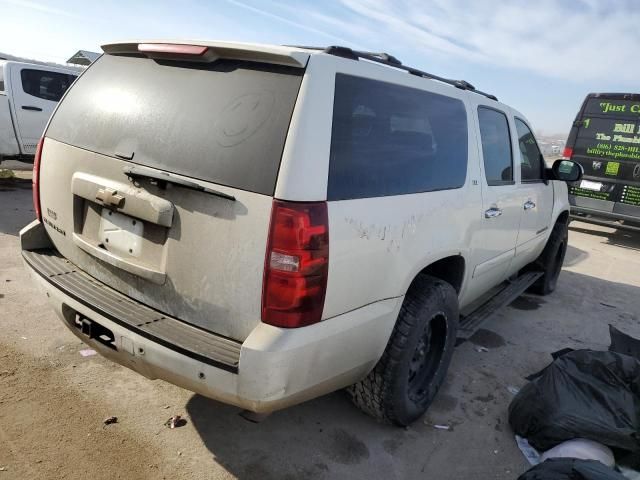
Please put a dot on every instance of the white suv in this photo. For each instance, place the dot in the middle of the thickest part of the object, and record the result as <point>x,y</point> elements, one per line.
<point>266,224</point>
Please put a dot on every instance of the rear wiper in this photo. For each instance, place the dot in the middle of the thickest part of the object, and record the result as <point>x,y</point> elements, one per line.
<point>139,172</point>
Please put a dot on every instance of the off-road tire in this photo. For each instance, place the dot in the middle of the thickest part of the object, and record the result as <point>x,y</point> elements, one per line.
<point>551,259</point>
<point>387,393</point>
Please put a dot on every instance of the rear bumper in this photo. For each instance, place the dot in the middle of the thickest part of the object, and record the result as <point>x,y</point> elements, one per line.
<point>607,219</point>
<point>604,212</point>
<point>272,369</point>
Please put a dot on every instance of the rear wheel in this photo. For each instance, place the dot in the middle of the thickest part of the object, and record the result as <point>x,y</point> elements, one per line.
<point>551,259</point>
<point>413,366</point>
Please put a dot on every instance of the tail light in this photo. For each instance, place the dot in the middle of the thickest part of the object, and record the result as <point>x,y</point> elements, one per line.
<point>296,264</point>
<point>35,182</point>
<point>568,152</point>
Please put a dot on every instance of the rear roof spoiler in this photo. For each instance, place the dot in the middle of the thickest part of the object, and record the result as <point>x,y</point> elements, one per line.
<point>289,56</point>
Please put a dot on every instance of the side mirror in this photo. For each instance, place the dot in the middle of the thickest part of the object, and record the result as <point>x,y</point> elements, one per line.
<point>567,171</point>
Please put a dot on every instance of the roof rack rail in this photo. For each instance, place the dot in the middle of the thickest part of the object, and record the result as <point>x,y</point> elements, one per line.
<point>386,59</point>
<point>390,60</point>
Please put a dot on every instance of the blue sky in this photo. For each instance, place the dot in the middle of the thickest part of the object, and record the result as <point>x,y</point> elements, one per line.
<point>541,57</point>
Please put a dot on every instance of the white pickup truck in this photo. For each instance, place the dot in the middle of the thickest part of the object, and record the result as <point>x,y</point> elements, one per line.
<point>28,95</point>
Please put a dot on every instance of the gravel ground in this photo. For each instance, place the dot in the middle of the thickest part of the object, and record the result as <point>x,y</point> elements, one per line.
<point>53,401</point>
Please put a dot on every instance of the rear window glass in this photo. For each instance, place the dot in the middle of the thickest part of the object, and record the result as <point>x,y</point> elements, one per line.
<point>223,122</point>
<point>612,107</point>
<point>46,85</point>
<point>391,140</point>
<point>609,133</point>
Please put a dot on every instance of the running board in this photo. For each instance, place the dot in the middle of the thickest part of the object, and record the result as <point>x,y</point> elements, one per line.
<point>471,323</point>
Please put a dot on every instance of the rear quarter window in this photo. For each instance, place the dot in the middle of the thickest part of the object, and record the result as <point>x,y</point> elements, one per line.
<point>391,140</point>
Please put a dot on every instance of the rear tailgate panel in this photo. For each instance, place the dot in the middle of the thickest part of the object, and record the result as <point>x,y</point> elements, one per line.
<point>212,256</point>
<point>218,126</point>
<point>605,140</point>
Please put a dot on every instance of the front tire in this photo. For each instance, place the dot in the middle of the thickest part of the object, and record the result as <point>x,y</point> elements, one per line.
<point>413,367</point>
<point>551,260</point>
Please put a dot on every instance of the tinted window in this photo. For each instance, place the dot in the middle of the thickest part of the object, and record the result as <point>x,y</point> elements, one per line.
<point>223,122</point>
<point>1,78</point>
<point>530,157</point>
<point>392,140</point>
<point>45,85</point>
<point>613,107</point>
<point>496,146</point>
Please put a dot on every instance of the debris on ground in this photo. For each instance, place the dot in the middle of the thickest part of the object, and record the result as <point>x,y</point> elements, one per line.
<point>175,422</point>
<point>582,407</point>
<point>608,305</point>
<point>513,390</point>
<point>3,469</point>
<point>110,420</point>
<point>438,426</point>
<point>583,450</point>
<point>582,394</point>
<point>629,473</point>
<point>571,469</point>
<point>623,343</point>
<point>481,349</point>
<point>530,453</point>
<point>88,352</point>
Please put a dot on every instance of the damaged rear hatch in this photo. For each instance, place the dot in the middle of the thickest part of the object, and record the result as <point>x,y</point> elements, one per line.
<point>158,171</point>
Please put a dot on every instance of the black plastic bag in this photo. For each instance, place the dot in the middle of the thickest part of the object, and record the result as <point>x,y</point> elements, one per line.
<point>571,469</point>
<point>582,394</point>
<point>623,343</point>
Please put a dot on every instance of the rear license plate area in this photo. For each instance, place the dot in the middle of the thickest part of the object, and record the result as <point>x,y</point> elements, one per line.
<point>589,185</point>
<point>120,234</point>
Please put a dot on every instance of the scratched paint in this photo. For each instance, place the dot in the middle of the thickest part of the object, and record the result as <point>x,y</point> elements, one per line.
<point>392,234</point>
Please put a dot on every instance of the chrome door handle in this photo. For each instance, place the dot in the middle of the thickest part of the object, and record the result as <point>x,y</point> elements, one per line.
<point>493,212</point>
<point>528,205</point>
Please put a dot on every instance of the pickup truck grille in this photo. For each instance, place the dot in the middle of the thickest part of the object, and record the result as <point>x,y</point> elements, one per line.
<point>149,323</point>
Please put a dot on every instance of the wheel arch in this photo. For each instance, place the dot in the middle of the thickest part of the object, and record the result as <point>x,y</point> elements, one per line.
<point>563,218</point>
<point>450,269</point>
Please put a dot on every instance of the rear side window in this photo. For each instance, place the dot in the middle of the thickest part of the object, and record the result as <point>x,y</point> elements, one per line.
<point>496,146</point>
<point>45,85</point>
<point>530,156</point>
<point>392,140</point>
<point>223,122</point>
<point>1,78</point>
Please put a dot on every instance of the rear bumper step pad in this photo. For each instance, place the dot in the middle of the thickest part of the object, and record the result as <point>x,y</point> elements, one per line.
<point>169,332</point>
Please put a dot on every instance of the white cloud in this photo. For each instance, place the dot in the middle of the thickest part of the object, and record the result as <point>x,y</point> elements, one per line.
<point>581,39</point>
<point>40,7</point>
<point>289,21</point>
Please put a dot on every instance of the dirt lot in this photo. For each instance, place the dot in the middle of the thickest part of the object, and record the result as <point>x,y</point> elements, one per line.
<point>53,400</point>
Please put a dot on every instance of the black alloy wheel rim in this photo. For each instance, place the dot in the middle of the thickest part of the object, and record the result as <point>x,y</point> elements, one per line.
<point>427,357</point>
